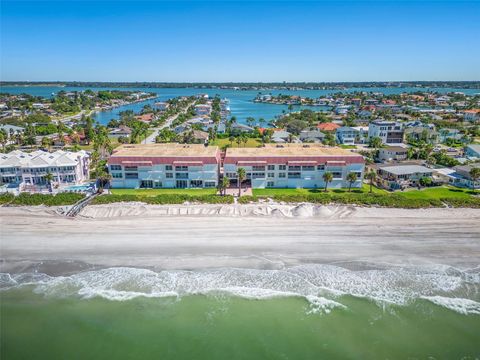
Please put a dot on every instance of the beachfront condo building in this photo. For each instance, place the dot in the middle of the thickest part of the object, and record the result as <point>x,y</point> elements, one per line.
<point>293,166</point>
<point>28,170</point>
<point>164,166</point>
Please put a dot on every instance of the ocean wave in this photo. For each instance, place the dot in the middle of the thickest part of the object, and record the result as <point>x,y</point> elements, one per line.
<point>320,285</point>
<point>462,306</point>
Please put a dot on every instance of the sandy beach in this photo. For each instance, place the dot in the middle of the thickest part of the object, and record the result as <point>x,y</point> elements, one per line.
<point>245,236</point>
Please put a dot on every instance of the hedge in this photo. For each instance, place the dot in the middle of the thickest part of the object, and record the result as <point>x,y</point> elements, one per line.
<point>27,199</point>
<point>383,200</point>
<point>164,199</point>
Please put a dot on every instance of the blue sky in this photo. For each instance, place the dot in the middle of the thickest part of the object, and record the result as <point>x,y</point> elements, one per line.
<point>239,41</point>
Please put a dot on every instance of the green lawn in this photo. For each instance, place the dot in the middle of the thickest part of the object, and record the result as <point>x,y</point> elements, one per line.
<point>252,142</point>
<point>266,192</point>
<point>437,193</point>
<point>429,193</point>
<point>155,192</point>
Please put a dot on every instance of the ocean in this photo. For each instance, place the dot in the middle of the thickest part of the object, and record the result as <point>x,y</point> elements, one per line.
<point>303,312</point>
<point>241,103</point>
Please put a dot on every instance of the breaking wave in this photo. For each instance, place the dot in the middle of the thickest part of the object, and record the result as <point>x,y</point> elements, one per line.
<point>320,285</point>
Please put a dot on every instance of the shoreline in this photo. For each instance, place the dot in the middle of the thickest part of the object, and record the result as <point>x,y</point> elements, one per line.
<point>198,237</point>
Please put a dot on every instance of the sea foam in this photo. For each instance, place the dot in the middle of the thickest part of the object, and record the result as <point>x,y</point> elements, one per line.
<point>320,285</point>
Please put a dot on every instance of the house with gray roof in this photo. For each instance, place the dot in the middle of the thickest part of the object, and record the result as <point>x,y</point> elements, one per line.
<point>400,176</point>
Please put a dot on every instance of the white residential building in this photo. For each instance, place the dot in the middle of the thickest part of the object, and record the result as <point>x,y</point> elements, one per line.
<point>390,132</point>
<point>29,169</point>
<point>164,166</point>
<point>293,166</point>
<point>347,135</point>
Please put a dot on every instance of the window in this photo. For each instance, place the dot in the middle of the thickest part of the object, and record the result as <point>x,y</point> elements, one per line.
<point>282,175</point>
<point>146,184</point>
<point>271,167</point>
<point>117,175</point>
<point>131,168</point>
<point>308,168</point>
<point>321,167</point>
<point>282,167</point>
<point>169,175</point>
<point>270,184</point>
<point>231,175</point>
<point>196,183</point>
<point>294,175</point>
<point>258,168</point>
<point>210,184</point>
<point>131,175</point>
<point>271,175</point>
<point>115,167</point>
<point>181,168</point>
<point>337,174</point>
<point>181,175</point>
<point>168,167</point>
<point>294,168</point>
<point>258,175</point>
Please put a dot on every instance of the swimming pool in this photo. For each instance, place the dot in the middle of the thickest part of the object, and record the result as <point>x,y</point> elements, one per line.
<point>81,188</point>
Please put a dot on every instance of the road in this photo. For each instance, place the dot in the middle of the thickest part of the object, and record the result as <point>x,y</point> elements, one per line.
<point>151,139</point>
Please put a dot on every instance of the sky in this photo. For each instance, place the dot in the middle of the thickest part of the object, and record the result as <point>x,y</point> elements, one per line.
<point>230,41</point>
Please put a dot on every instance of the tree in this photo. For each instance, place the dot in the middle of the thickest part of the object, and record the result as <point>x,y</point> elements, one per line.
<point>372,176</point>
<point>46,142</point>
<point>241,174</point>
<point>375,142</point>
<point>49,178</point>
<point>3,138</point>
<point>231,139</point>
<point>475,175</point>
<point>224,184</point>
<point>327,177</point>
<point>426,181</point>
<point>351,178</point>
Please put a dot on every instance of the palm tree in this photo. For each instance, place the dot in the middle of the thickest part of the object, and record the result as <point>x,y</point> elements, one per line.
<point>351,178</point>
<point>49,178</point>
<point>224,184</point>
<point>327,177</point>
<point>372,176</point>
<point>231,139</point>
<point>475,175</point>
<point>241,176</point>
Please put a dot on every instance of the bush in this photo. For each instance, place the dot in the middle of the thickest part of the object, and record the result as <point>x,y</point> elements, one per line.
<point>60,199</point>
<point>164,199</point>
<point>6,198</point>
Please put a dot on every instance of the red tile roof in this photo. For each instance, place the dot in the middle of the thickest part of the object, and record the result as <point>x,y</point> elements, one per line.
<point>328,126</point>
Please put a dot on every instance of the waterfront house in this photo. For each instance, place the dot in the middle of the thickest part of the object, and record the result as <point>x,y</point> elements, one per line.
<point>400,176</point>
<point>390,132</point>
<point>164,166</point>
<point>146,118</point>
<point>293,166</point>
<point>122,131</point>
<point>458,176</point>
<point>28,170</point>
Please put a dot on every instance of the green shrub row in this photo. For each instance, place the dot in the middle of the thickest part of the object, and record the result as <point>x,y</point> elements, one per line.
<point>384,200</point>
<point>27,199</point>
<point>164,199</point>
